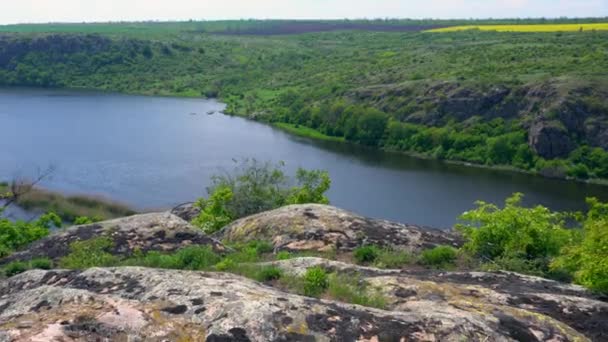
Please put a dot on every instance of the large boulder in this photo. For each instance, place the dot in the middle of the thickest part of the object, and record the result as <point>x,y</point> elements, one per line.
<point>314,227</point>
<point>163,232</point>
<point>138,304</point>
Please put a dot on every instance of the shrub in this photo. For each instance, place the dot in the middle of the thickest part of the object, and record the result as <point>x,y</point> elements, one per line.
<point>268,273</point>
<point>41,264</point>
<point>440,256</point>
<point>366,254</point>
<point>14,235</point>
<point>214,212</point>
<point>254,187</point>
<point>315,281</point>
<point>82,220</point>
<point>90,253</point>
<point>226,265</point>
<point>283,255</point>
<point>15,268</point>
<point>514,232</point>
<point>196,258</point>
<point>587,258</point>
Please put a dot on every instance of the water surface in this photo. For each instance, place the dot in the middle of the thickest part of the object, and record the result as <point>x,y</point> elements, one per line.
<point>154,152</point>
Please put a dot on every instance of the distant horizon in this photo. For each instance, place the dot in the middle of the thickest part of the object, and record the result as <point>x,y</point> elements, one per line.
<point>160,21</point>
<point>107,11</point>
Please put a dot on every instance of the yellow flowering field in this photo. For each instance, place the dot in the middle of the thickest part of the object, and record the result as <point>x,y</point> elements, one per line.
<point>526,28</point>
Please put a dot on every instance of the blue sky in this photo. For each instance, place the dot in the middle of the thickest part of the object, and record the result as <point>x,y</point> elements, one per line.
<point>17,11</point>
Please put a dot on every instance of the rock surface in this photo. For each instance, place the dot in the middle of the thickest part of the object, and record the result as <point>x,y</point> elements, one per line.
<point>157,231</point>
<point>530,308</point>
<point>137,304</point>
<point>314,227</point>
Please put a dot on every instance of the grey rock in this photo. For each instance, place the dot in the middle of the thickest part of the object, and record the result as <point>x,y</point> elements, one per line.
<point>154,305</point>
<point>163,232</point>
<point>314,227</point>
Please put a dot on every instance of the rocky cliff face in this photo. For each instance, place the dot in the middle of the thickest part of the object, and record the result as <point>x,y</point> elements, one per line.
<point>557,114</point>
<point>140,304</point>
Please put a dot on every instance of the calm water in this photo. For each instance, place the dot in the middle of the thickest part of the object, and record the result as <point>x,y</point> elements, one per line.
<point>153,153</point>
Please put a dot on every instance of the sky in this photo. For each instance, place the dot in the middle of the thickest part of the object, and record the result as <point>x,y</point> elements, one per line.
<point>34,11</point>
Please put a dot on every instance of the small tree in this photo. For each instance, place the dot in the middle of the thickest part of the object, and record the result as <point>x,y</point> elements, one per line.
<point>255,187</point>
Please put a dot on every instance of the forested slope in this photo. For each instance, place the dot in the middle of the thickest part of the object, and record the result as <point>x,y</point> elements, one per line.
<point>533,101</point>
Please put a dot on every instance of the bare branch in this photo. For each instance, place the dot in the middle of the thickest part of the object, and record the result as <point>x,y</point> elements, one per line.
<point>20,187</point>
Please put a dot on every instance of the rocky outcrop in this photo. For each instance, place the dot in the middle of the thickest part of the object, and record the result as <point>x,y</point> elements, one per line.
<point>314,227</point>
<point>527,308</point>
<point>550,140</point>
<point>148,232</point>
<point>137,304</point>
<point>186,211</point>
<point>140,304</point>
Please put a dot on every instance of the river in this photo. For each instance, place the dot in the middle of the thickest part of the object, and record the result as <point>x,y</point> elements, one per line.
<point>155,152</point>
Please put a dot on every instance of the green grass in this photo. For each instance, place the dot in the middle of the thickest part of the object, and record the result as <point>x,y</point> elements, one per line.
<point>306,132</point>
<point>17,267</point>
<point>440,257</point>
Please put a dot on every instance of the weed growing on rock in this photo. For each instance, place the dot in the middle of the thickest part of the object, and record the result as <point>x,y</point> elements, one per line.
<point>17,267</point>
<point>439,257</point>
<point>316,281</point>
<point>366,254</point>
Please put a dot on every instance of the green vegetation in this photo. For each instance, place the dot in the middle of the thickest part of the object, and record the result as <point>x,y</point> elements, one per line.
<point>316,281</point>
<point>254,187</point>
<point>14,235</point>
<point>70,208</point>
<point>538,241</point>
<point>382,257</point>
<point>17,267</point>
<point>587,258</point>
<point>304,131</point>
<point>366,254</point>
<point>465,96</point>
<point>90,253</point>
<point>530,237</point>
<point>353,289</point>
<point>440,257</point>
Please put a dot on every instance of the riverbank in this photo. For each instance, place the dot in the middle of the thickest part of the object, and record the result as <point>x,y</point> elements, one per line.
<point>70,207</point>
<point>307,132</point>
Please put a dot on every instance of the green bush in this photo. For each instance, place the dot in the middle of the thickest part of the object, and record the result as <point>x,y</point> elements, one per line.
<point>15,268</point>
<point>254,187</point>
<point>440,256</point>
<point>90,253</point>
<point>586,258</point>
<point>196,258</point>
<point>366,254</point>
<point>41,264</point>
<point>283,255</point>
<point>14,235</point>
<point>226,265</point>
<point>514,232</point>
<point>268,273</point>
<point>315,281</point>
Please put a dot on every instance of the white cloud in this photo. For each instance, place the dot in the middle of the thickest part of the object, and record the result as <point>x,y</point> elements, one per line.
<point>104,10</point>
